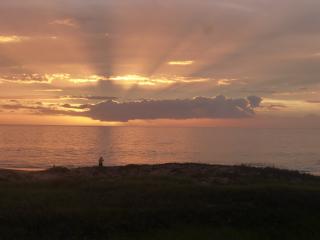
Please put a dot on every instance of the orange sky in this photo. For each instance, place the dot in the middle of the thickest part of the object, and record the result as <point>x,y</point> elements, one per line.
<point>61,61</point>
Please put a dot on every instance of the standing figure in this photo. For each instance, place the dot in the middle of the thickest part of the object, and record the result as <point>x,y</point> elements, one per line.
<point>101,160</point>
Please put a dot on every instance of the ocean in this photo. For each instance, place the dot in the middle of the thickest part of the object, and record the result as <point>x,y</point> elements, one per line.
<point>38,147</point>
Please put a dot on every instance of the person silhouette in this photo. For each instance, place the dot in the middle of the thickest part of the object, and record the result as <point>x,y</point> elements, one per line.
<point>101,160</point>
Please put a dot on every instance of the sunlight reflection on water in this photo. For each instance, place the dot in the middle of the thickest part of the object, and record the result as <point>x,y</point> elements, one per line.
<point>45,146</point>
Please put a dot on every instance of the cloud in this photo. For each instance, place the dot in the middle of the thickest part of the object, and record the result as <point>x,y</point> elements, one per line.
<point>48,90</point>
<point>89,97</point>
<point>254,101</point>
<point>275,107</point>
<point>12,39</point>
<point>181,63</point>
<point>200,107</point>
<point>218,107</point>
<point>98,97</point>
<point>38,109</point>
<point>313,101</point>
<point>312,116</point>
<point>25,78</point>
<point>225,81</point>
<point>65,22</point>
<point>270,47</point>
<point>82,106</point>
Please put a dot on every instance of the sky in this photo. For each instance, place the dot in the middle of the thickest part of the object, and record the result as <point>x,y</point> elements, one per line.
<point>242,63</point>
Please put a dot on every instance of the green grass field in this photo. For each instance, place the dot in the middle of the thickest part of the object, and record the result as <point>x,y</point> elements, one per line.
<point>160,202</point>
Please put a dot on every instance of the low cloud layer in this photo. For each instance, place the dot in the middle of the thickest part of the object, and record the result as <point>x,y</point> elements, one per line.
<point>200,107</point>
<point>111,110</point>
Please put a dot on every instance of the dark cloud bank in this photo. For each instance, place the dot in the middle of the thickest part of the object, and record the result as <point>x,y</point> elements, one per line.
<point>196,108</point>
<point>200,107</point>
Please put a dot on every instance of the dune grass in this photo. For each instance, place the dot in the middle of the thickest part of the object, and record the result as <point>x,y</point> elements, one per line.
<point>180,206</point>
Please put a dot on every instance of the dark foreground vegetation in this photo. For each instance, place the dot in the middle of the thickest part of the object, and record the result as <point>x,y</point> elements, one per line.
<point>171,201</point>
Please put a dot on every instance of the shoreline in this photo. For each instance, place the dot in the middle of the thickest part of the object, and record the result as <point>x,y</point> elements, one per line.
<point>254,166</point>
<point>196,171</point>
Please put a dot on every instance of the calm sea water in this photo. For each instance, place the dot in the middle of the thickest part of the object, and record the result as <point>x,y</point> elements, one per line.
<point>45,146</point>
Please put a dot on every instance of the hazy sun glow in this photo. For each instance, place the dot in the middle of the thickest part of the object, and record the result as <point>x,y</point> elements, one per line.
<point>133,77</point>
<point>11,39</point>
<point>154,81</point>
<point>58,58</point>
<point>180,63</point>
<point>225,82</point>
